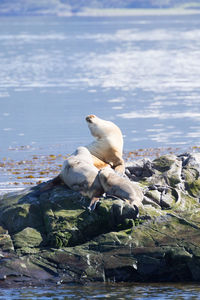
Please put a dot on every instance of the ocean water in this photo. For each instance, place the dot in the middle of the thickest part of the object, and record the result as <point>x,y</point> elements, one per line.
<point>106,291</point>
<point>142,72</point>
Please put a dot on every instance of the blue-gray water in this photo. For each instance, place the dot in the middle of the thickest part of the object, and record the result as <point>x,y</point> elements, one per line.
<point>106,291</point>
<point>142,72</point>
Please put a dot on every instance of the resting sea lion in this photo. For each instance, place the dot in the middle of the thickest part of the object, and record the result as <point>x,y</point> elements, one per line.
<point>121,187</point>
<point>107,149</point>
<point>79,174</point>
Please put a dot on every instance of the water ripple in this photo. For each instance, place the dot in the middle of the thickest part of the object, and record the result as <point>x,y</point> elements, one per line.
<point>160,115</point>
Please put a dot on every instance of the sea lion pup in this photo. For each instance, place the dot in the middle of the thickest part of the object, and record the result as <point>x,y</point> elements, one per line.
<point>121,187</point>
<point>79,174</point>
<point>107,149</point>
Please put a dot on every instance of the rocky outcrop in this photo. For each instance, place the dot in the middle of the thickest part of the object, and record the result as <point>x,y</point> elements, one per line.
<point>51,237</point>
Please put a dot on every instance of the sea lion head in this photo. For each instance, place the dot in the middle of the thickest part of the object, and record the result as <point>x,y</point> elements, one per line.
<point>90,118</point>
<point>100,128</point>
<point>82,151</point>
<point>105,175</point>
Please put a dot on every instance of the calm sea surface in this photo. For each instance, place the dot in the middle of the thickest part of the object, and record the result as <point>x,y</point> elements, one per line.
<point>142,72</point>
<point>106,291</point>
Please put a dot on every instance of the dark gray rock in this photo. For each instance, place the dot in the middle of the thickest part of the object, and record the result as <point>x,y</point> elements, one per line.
<point>51,238</point>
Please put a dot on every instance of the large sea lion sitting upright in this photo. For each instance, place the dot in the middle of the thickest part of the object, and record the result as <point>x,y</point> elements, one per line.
<point>107,149</point>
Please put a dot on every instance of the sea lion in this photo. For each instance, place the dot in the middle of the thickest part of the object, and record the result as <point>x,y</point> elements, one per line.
<point>107,149</point>
<point>121,187</point>
<point>79,174</point>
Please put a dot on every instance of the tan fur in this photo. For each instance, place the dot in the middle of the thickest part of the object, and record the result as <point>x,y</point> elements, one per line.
<point>99,164</point>
<point>108,146</point>
<point>121,187</point>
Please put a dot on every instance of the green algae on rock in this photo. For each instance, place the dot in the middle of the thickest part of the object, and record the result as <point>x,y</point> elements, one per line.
<point>50,237</point>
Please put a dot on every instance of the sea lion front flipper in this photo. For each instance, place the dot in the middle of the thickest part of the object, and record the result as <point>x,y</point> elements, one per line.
<point>93,203</point>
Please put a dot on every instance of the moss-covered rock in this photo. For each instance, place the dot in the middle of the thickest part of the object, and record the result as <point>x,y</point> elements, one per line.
<point>194,188</point>
<point>6,243</point>
<point>51,237</point>
<point>28,237</point>
<point>164,163</point>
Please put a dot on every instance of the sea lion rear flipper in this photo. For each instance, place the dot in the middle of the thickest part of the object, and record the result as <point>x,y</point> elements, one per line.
<point>93,203</point>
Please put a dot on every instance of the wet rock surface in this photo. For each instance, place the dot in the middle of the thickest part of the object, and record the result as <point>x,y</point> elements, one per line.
<point>51,238</point>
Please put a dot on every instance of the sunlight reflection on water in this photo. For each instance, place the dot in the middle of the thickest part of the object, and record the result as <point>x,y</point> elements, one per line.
<point>141,72</point>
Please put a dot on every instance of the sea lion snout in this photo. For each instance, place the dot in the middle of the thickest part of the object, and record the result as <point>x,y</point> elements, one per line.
<point>89,118</point>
